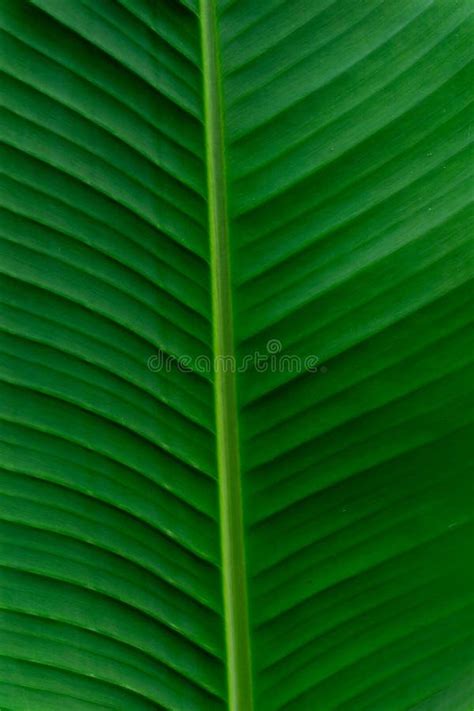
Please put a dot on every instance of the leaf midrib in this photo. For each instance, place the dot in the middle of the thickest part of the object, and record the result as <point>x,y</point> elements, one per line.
<point>239,672</point>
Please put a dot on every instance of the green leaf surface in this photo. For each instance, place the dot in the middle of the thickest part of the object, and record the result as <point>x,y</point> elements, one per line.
<point>285,185</point>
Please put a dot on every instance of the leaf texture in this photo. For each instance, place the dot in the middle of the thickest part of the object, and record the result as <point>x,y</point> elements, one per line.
<point>184,179</point>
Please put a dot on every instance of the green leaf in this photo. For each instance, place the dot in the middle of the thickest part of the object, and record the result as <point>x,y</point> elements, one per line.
<point>236,373</point>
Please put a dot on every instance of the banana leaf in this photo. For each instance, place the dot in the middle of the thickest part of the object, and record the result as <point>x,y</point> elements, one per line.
<point>236,355</point>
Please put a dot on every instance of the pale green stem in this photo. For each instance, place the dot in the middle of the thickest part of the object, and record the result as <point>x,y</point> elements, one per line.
<point>229,477</point>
